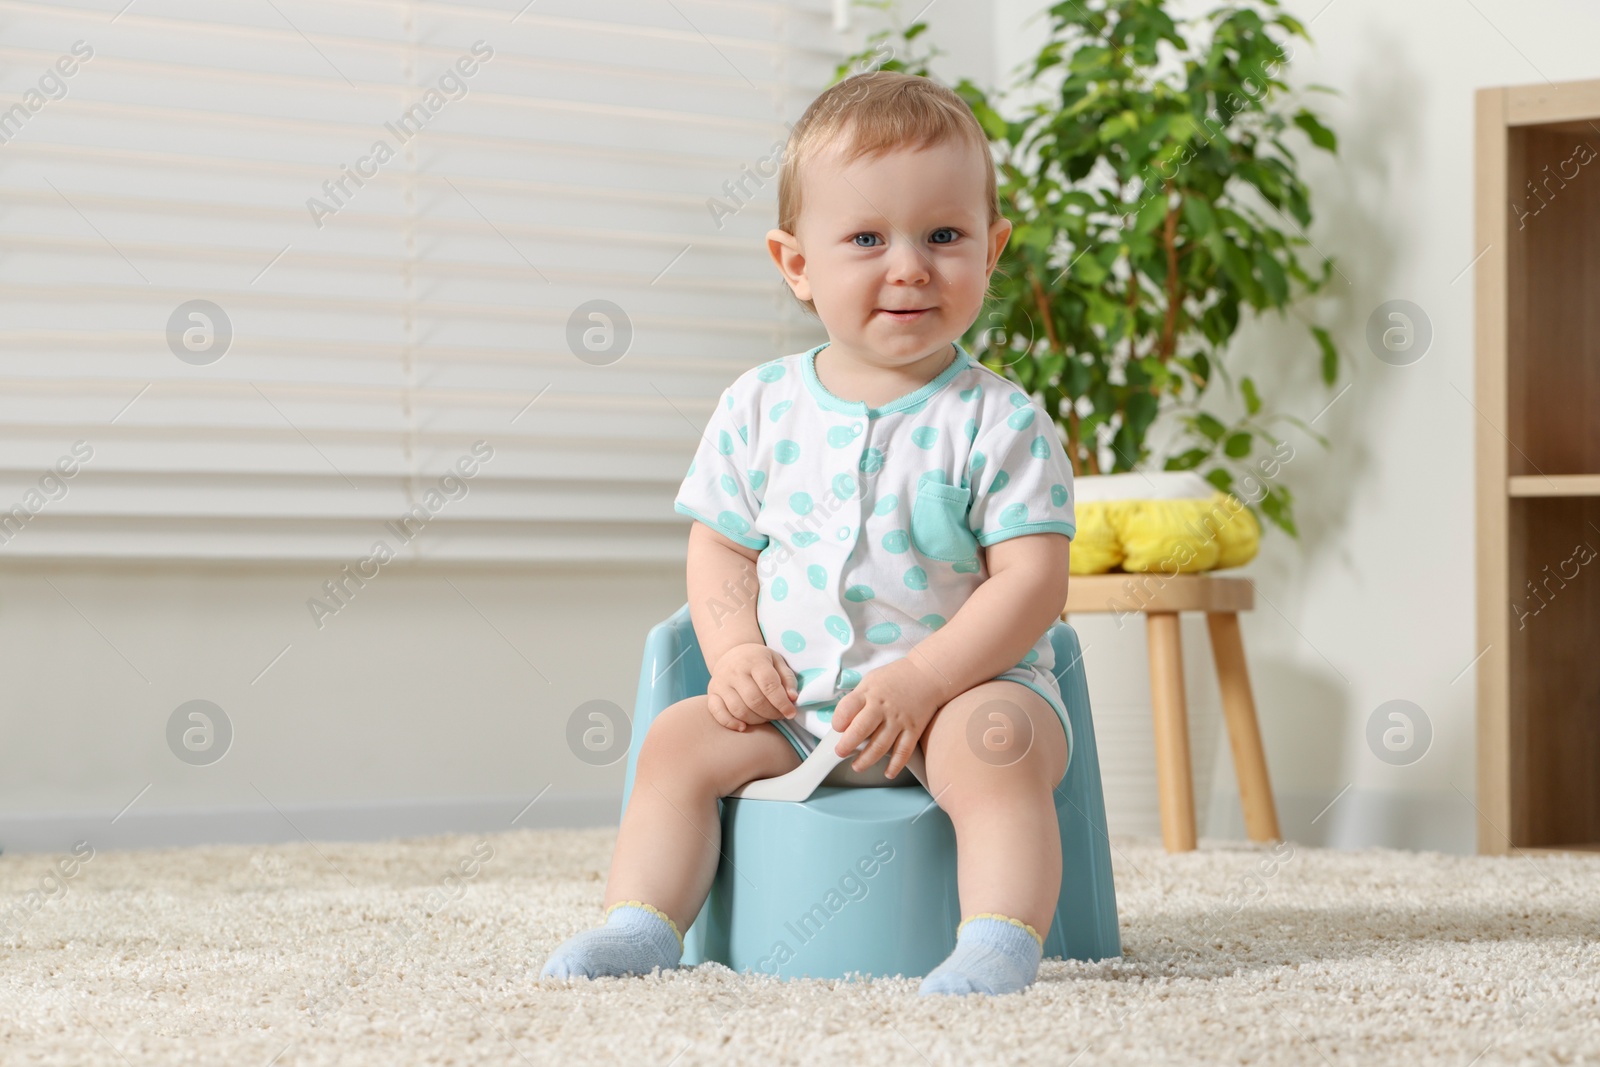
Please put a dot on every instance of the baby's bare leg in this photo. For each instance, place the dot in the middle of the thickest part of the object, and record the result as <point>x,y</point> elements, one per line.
<point>670,838</point>
<point>994,756</point>
<point>999,794</point>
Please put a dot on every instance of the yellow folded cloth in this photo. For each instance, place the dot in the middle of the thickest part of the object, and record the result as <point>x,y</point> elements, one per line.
<point>1172,522</point>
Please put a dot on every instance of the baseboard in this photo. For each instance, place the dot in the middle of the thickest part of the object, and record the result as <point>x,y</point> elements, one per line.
<point>262,825</point>
<point>1361,818</point>
<point>1442,822</point>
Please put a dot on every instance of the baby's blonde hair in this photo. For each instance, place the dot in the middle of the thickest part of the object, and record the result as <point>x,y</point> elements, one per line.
<point>874,114</point>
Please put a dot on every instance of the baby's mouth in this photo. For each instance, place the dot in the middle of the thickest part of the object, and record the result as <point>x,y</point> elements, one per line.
<point>905,316</point>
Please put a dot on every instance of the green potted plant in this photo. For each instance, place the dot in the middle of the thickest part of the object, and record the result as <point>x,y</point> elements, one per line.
<point>1155,197</point>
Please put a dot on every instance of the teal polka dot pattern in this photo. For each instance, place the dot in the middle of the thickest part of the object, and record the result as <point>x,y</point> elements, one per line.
<point>884,633</point>
<point>840,436</point>
<point>831,484</point>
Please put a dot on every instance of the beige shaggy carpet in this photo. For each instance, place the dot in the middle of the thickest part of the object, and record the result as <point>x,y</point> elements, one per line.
<point>427,951</point>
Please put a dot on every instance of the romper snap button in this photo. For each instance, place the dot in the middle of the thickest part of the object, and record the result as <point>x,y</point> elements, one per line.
<point>844,531</point>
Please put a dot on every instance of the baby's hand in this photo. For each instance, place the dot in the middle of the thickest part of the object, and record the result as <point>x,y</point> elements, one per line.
<point>751,685</point>
<point>892,706</point>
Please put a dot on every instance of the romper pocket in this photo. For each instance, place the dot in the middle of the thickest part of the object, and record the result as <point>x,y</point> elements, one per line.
<point>939,522</point>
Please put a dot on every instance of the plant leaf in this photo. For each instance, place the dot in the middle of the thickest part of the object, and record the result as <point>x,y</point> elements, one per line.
<point>1187,461</point>
<point>1320,135</point>
<point>1330,355</point>
<point>1220,477</point>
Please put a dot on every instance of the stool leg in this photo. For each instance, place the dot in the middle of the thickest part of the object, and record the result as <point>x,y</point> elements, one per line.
<point>1244,732</point>
<point>1173,773</point>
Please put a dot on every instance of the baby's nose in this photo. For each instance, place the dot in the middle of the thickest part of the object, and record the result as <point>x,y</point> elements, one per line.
<point>908,263</point>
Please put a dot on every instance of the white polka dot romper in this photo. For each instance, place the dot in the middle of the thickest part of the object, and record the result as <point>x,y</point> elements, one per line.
<point>870,519</point>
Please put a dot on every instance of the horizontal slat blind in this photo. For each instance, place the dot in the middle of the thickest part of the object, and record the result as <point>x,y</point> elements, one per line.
<point>400,209</point>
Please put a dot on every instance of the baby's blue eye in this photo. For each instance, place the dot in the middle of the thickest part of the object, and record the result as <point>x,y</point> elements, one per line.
<point>954,234</point>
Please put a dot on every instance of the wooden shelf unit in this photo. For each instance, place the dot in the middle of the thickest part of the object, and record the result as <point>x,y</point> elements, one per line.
<point>1538,466</point>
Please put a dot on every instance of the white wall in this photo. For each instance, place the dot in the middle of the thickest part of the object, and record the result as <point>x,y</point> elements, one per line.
<point>418,708</point>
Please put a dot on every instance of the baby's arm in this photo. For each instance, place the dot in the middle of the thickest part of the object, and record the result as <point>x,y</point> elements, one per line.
<point>755,684</point>
<point>722,619</point>
<point>1001,620</point>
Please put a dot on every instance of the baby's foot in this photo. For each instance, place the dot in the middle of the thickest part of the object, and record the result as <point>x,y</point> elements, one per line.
<point>993,954</point>
<point>636,939</point>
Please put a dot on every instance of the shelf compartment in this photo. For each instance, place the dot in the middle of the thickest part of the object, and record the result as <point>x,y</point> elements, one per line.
<point>1553,314</point>
<point>1554,659</point>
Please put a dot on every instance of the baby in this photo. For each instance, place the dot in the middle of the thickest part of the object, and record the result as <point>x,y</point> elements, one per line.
<point>880,546</point>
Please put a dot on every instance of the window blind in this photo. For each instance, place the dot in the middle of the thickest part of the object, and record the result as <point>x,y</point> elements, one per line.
<point>284,280</point>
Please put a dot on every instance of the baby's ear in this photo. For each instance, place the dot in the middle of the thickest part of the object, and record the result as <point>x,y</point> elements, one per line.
<point>999,234</point>
<point>785,250</point>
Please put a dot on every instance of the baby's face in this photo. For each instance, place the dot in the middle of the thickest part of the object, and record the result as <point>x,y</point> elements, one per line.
<point>906,230</point>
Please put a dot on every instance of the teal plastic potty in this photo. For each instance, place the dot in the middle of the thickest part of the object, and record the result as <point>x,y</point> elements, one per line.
<point>863,879</point>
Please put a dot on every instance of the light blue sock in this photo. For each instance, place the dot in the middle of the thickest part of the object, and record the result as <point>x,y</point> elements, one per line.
<point>993,954</point>
<point>634,940</point>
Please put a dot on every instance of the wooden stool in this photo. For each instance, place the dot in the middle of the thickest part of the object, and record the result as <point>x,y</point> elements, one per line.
<point>1161,598</point>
